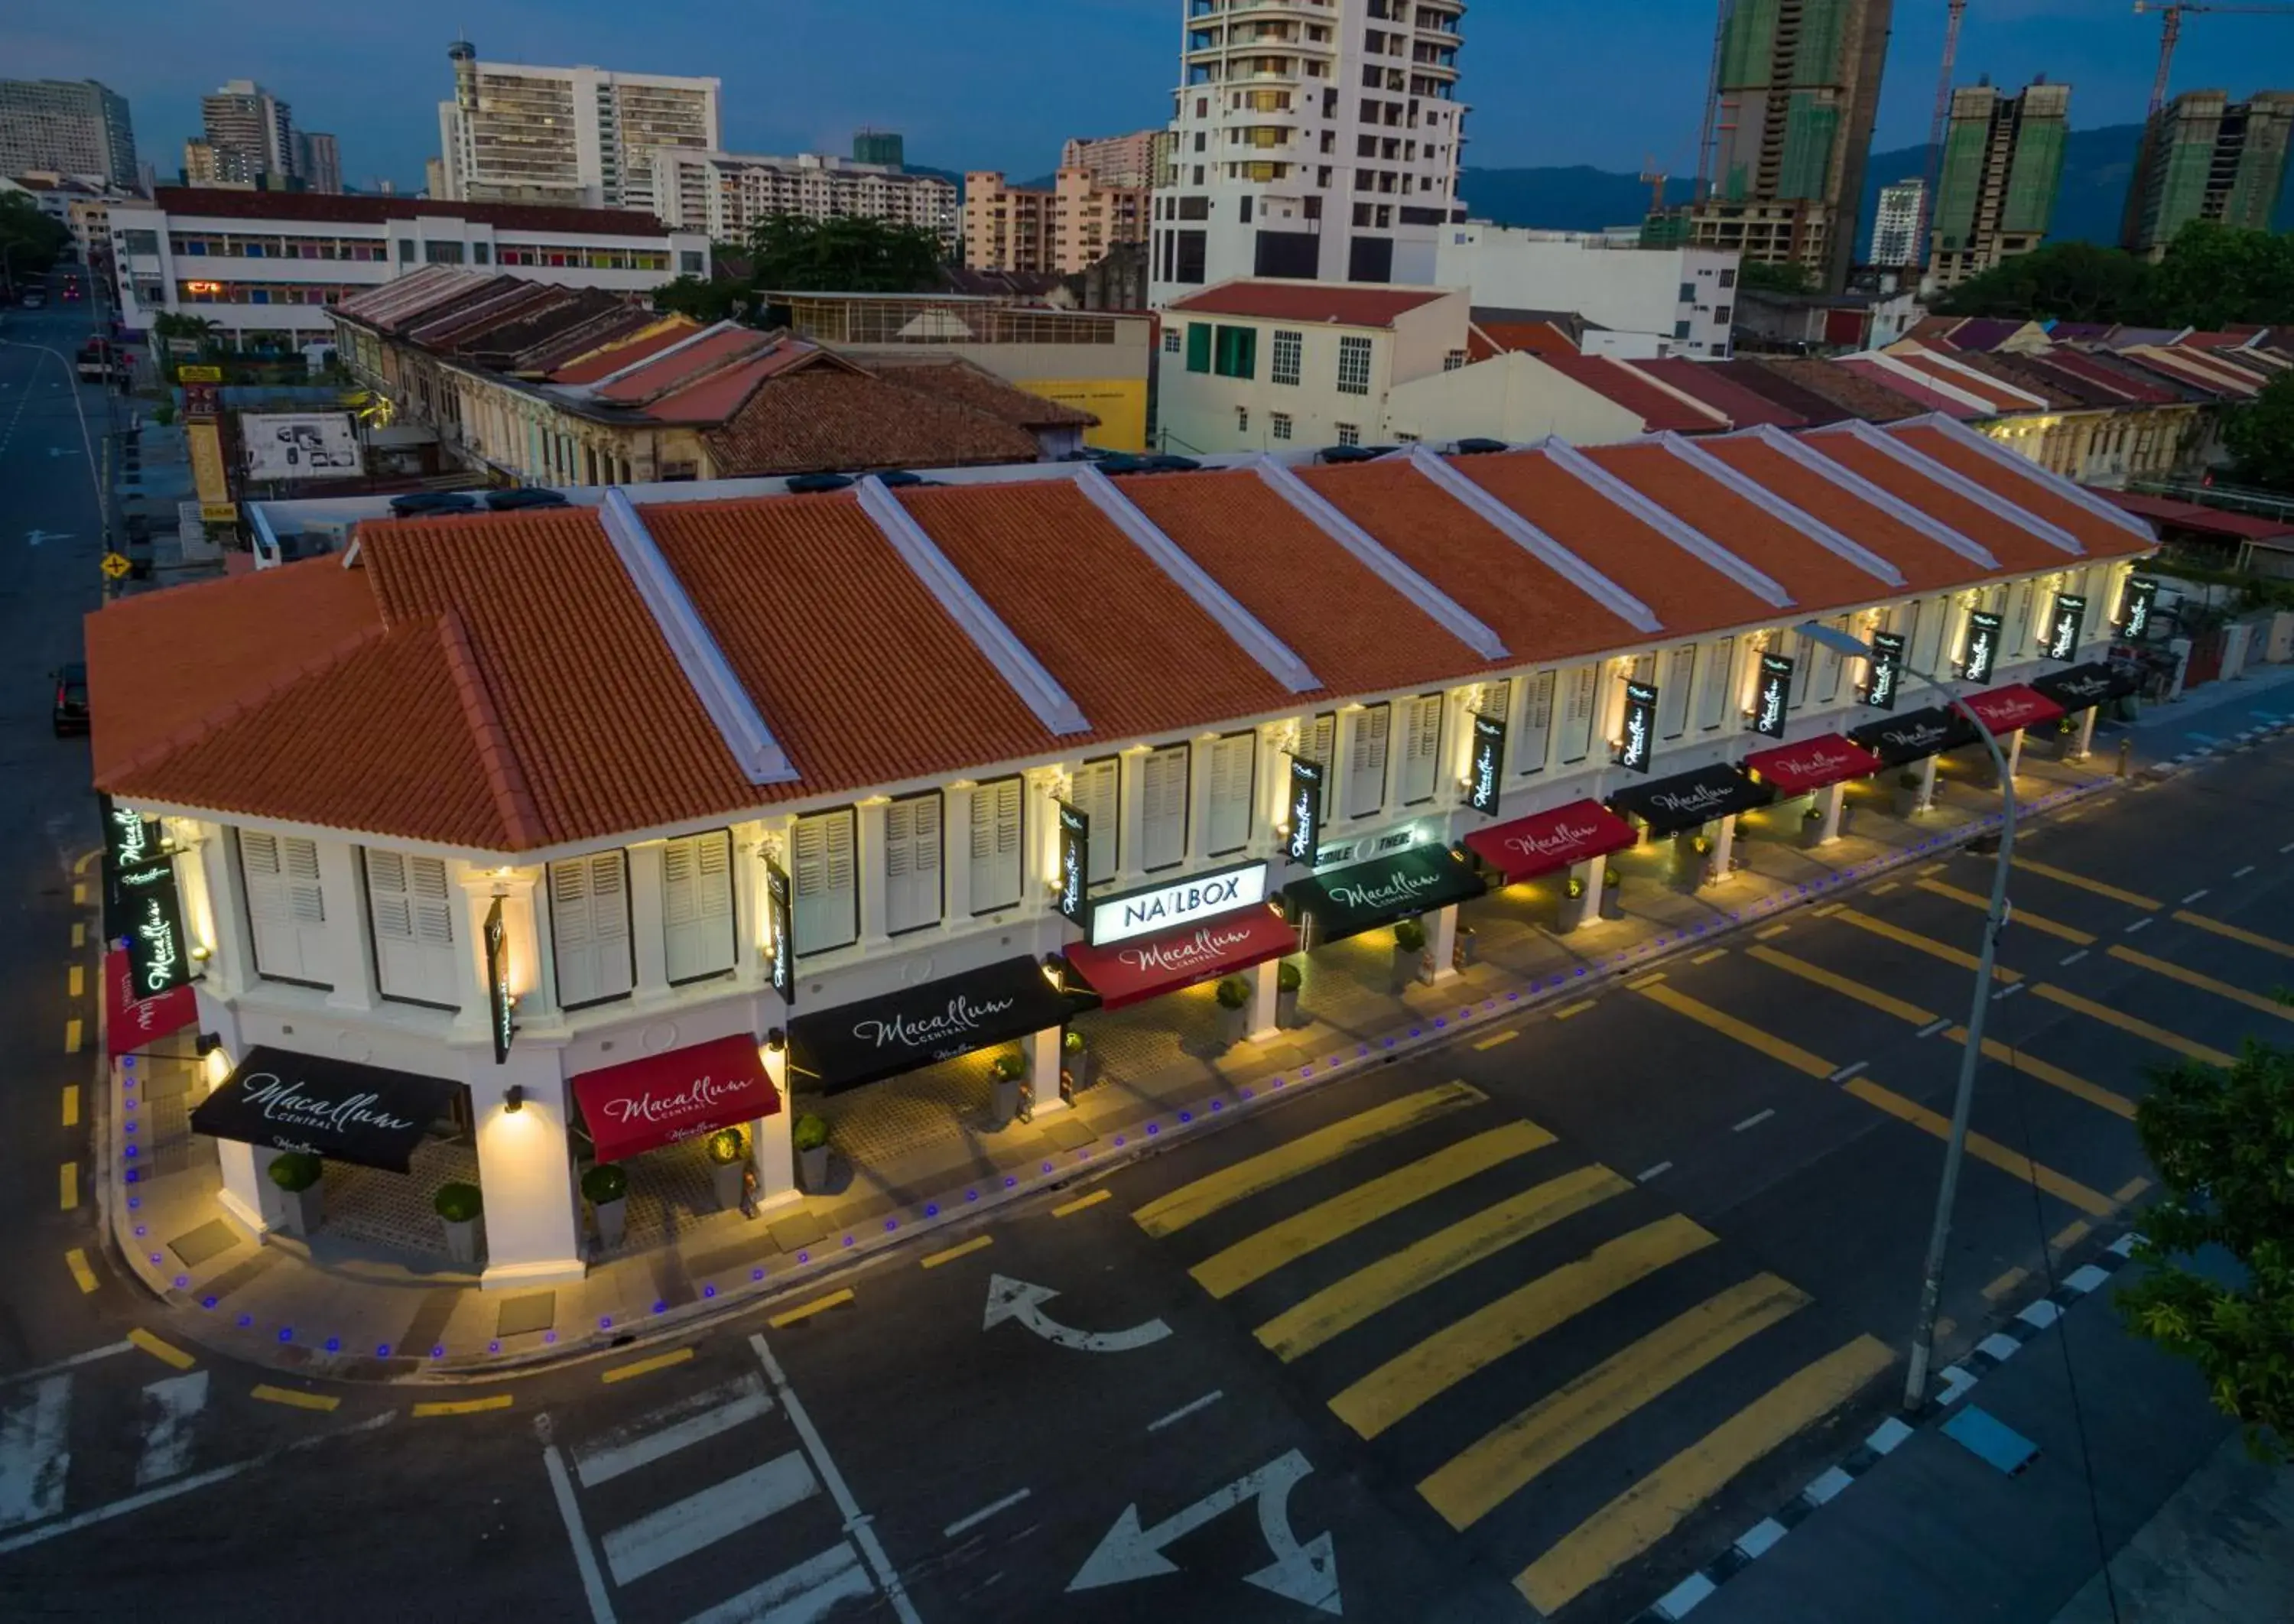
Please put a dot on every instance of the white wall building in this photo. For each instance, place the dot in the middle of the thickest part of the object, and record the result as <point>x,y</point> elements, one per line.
<point>1896,229</point>
<point>582,136</point>
<point>725,193</point>
<point>264,266</point>
<point>1684,296</point>
<point>1310,141</point>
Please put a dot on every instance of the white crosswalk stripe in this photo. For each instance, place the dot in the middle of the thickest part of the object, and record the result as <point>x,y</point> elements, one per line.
<point>35,1460</point>
<point>169,1408</point>
<point>36,1445</point>
<point>719,1512</point>
<point>805,1592</point>
<point>671,1428</point>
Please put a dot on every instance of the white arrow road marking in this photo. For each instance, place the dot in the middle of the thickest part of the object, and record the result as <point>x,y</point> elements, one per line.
<point>1011,1299</point>
<point>33,538</point>
<point>1306,1573</point>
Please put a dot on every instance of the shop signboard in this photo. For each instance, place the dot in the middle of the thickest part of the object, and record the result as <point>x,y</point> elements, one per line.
<point>131,842</point>
<point>908,1027</point>
<point>2064,626</point>
<point>1181,902</point>
<point>2135,608</point>
<point>1982,656</point>
<point>1486,764</point>
<point>780,914</point>
<point>1689,800</point>
<point>661,1098</point>
<point>496,939</point>
<point>323,1106</point>
<point>1149,966</point>
<point>1887,670</point>
<point>1334,906</point>
<point>2082,686</point>
<point>1638,747</point>
<point>1306,810</point>
<point>1075,863</point>
<point>1544,841</point>
<point>132,1022</point>
<point>1772,697</point>
<point>1915,735</point>
<point>157,953</point>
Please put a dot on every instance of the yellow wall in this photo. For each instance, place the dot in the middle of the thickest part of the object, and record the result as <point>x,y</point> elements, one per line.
<point>1120,403</point>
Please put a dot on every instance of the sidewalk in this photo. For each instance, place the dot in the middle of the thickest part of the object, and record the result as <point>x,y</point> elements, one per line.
<point>2220,1551</point>
<point>915,1154</point>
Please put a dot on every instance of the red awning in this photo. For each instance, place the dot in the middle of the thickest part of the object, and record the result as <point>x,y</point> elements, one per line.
<point>1543,841</point>
<point>1794,770</point>
<point>645,1104</point>
<point>1129,972</point>
<point>131,1023</point>
<point>2005,710</point>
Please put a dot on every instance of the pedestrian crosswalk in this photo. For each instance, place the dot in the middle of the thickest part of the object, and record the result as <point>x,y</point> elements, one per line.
<point>166,1424</point>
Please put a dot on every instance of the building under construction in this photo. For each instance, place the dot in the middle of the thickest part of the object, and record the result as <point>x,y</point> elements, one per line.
<point>2003,161</point>
<point>1795,86</point>
<point>2205,156</point>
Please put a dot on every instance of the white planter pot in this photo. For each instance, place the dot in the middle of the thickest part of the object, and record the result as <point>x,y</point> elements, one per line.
<point>303,1211</point>
<point>1286,1006</point>
<point>812,1168</point>
<point>1006,1100</point>
<point>612,1221</point>
<point>464,1240</point>
<point>725,1178</point>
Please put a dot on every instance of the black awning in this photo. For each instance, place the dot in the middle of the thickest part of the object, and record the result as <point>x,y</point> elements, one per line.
<point>1329,908</point>
<point>1688,800</point>
<point>2079,687</point>
<point>330,1108</point>
<point>859,1043</point>
<point>1915,735</point>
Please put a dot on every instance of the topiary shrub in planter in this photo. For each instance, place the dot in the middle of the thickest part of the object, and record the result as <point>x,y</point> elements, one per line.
<point>1409,954</point>
<point>1904,794</point>
<point>459,1208</point>
<point>1234,995</point>
<point>608,1189</point>
<point>810,1137</point>
<point>1006,1073</point>
<point>1613,894</point>
<point>298,1175</point>
<point>1077,1059</point>
<point>1289,977</point>
<point>729,1148</point>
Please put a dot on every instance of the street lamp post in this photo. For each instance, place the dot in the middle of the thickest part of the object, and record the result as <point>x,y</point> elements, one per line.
<point>1916,1373</point>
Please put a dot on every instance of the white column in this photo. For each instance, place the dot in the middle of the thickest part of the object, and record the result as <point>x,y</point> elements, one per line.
<point>868,867</point>
<point>2085,745</point>
<point>1586,907</point>
<point>772,1150</point>
<point>956,853</point>
<point>1199,799</point>
<point>1266,983</point>
<point>1724,842</point>
<point>1130,817</point>
<point>526,1173</point>
<point>248,1193</point>
<point>1442,940</point>
<point>1830,801</point>
<point>2014,752</point>
<point>748,906</point>
<point>350,948</point>
<point>648,942</point>
<point>1044,1069</point>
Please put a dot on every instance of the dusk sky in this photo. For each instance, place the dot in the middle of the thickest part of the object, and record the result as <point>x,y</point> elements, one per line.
<point>999,86</point>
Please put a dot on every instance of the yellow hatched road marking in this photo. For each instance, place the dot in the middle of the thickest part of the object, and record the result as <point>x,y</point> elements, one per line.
<point>82,1275</point>
<point>2053,1077</point>
<point>1494,1467</point>
<point>2110,1016</point>
<point>1655,1506</point>
<point>2013,1278</point>
<point>2252,938</point>
<point>1765,931</point>
<point>643,1367</point>
<point>1578,1008</point>
<point>77,981</point>
<point>2130,1189</point>
<point>1775,1048</point>
<point>1983,1149</point>
<point>2133,899</point>
<point>1190,1203</point>
<point>2022,915</point>
<point>1645,981</point>
<point>72,1030</point>
<point>1924,943</point>
<point>2076,1231</point>
<point>1256,1257</point>
<point>1709,954</point>
<point>81,863</point>
<point>2205,984</point>
<point>1846,985</point>
<point>1082,1202</point>
<point>71,1105</point>
<point>1339,1307</point>
<point>79,896</point>
<point>166,1352</point>
<point>295,1397</point>
<point>817,1305</point>
<point>1828,909</point>
<point>1885,886</point>
<point>1505,1037</point>
<point>463,1407</point>
<point>68,1186</point>
<point>1420,1374</point>
<point>953,1252</point>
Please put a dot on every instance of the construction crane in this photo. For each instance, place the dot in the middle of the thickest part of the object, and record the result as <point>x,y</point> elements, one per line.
<point>1936,126</point>
<point>1654,178</point>
<point>2171,30</point>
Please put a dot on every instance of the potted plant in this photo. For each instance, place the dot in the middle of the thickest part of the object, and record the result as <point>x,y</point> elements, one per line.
<point>608,1189</point>
<point>1907,794</point>
<point>458,1206</point>
<point>1075,1055</point>
<point>1613,894</point>
<point>1409,953</point>
<point>729,1148</point>
<point>1466,950</point>
<point>1288,980</point>
<point>1234,995</point>
<point>810,1137</point>
<point>296,1174</point>
<point>1005,1072</point>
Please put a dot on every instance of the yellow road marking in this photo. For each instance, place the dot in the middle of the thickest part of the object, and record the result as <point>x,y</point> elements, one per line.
<point>1765,931</point>
<point>1830,908</point>
<point>2205,984</point>
<point>1945,1326</point>
<point>1709,954</point>
<point>463,1407</point>
<point>1924,943</point>
<point>81,863</point>
<point>1346,1303</point>
<point>1578,1008</point>
<point>72,1029</point>
<point>1655,1506</point>
<point>1885,886</point>
<point>2053,1077</point>
<point>1934,868</point>
<point>1081,1202</point>
<point>1256,1257</point>
<point>1983,1149</point>
<point>834,1299</point>
<point>68,1186</point>
<point>71,1105</point>
<point>1190,1203</point>
<point>2013,1278</point>
<point>645,1367</point>
<point>82,1275</point>
<point>2252,938</point>
<point>1775,1048</point>
<point>1645,981</point>
<point>1422,1373</point>
<point>2076,1231</point>
<point>76,980</point>
<point>2130,1189</point>
<point>1844,984</point>
<point>2133,899</point>
<point>954,1252</point>
<point>2022,916</point>
<point>295,1397</point>
<point>1505,1036</point>
<point>79,896</point>
<point>1482,1476</point>
<point>2110,1016</point>
<point>79,934</point>
<point>166,1352</point>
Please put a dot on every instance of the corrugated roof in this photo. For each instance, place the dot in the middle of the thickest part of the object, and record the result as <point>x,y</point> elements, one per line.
<point>667,372</point>
<point>2127,382</point>
<point>1343,304</point>
<point>1958,373</point>
<point>605,362</point>
<point>1659,408</point>
<point>1745,407</point>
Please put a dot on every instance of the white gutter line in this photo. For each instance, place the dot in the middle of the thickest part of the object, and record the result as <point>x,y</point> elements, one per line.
<point>1815,529</point>
<point>2023,466</point>
<point>1790,446</point>
<point>1959,484</point>
<point>1686,537</point>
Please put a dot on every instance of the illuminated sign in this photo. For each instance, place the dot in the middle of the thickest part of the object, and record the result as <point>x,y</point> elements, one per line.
<point>1488,761</point>
<point>1887,670</point>
<point>2135,608</point>
<point>1182,901</point>
<point>1639,743</point>
<point>1075,862</point>
<point>1772,698</point>
<point>780,915</point>
<point>496,938</point>
<point>2063,629</point>
<point>1982,656</point>
<point>204,287</point>
<point>154,915</point>
<point>1305,809</point>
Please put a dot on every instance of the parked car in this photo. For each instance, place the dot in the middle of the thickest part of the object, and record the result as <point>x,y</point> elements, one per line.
<point>70,714</point>
<point>33,301</point>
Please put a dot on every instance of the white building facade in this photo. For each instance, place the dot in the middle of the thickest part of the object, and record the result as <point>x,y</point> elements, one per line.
<point>1896,229</point>
<point>1685,297</point>
<point>725,193</point>
<point>1317,141</point>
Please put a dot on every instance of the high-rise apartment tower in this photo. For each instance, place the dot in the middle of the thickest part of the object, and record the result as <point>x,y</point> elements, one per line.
<point>70,126</point>
<point>1896,229</point>
<point>250,139</point>
<point>2002,160</point>
<point>2205,156</point>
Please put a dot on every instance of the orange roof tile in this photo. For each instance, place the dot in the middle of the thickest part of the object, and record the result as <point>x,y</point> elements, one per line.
<point>2098,535</point>
<point>606,362</point>
<point>2000,395</point>
<point>1928,565</point>
<point>1538,613</point>
<point>2017,549</point>
<point>669,371</point>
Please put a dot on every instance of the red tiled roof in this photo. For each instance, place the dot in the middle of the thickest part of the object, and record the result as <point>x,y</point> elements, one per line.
<point>825,418</point>
<point>1484,339</point>
<point>1636,394</point>
<point>2016,548</point>
<point>608,361</point>
<point>713,398</point>
<point>2003,397</point>
<point>658,377</point>
<point>1743,406</point>
<point>1338,302</point>
<point>367,209</point>
<point>1928,565</point>
<point>2100,537</point>
<point>1854,392</point>
<point>2123,381</point>
<point>1896,382</point>
<point>2198,517</point>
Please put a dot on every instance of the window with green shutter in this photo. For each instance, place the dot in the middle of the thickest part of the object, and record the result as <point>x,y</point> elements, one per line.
<point>1199,346</point>
<point>1238,352</point>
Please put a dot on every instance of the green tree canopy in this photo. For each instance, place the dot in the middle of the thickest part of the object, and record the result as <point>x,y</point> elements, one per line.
<point>2063,281</point>
<point>2212,276</point>
<point>2260,437</point>
<point>2223,1141</point>
<point>710,300</point>
<point>799,254</point>
<point>30,240</point>
<point>2215,276</point>
<point>1776,279</point>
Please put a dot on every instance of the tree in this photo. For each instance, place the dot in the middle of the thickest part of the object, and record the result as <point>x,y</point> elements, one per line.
<point>2214,275</point>
<point>2063,281</point>
<point>720,299</point>
<point>30,240</point>
<point>2223,1141</point>
<point>796,252</point>
<point>2260,436</point>
<point>1764,278</point>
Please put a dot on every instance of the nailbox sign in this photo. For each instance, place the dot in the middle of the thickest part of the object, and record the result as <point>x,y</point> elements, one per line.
<point>1183,902</point>
<point>1305,809</point>
<point>1638,745</point>
<point>1982,647</point>
<point>780,906</point>
<point>1773,697</point>
<point>2134,612</point>
<point>1488,762</point>
<point>1887,670</point>
<point>1075,863</point>
<point>2063,629</point>
<point>496,938</point>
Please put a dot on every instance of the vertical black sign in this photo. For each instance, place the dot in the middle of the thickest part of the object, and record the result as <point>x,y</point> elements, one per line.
<point>2135,608</point>
<point>1982,656</point>
<point>1773,697</point>
<point>1075,863</point>
<point>1887,670</point>
<point>780,915</point>
<point>1306,810</point>
<point>1638,745</point>
<point>131,841</point>
<point>2063,629</point>
<point>154,916</point>
<point>496,938</point>
<point>1488,762</point>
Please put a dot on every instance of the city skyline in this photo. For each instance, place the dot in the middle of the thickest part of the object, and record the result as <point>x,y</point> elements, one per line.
<point>1651,61</point>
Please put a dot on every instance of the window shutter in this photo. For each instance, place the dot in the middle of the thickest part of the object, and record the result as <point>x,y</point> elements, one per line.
<point>823,916</point>
<point>285,903</point>
<point>1536,741</point>
<point>386,881</point>
<point>996,845</point>
<point>413,913</point>
<point>1321,742</point>
<point>590,928</point>
<point>1366,775</point>
<point>1717,696</point>
<point>912,863</point>
<point>1420,747</point>
<point>1163,807</point>
<point>696,906</point>
<point>1577,720</point>
<point>1234,759</point>
<point>1672,696</point>
<point>1097,797</point>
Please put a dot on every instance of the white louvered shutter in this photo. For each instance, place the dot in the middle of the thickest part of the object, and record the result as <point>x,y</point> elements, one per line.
<point>413,912</point>
<point>912,847</point>
<point>696,906</point>
<point>1366,771</point>
<point>1421,744</point>
<point>590,928</point>
<point>1577,717</point>
<point>1097,797</point>
<point>996,845</point>
<point>1535,742</point>
<point>823,912</point>
<point>287,906</point>
<point>1233,761</point>
<point>1163,807</point>
<point>1715,698</point>
<point>1672,693</point>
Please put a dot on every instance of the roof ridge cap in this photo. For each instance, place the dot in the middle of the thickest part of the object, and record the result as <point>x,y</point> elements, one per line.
<point>513,796</point>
